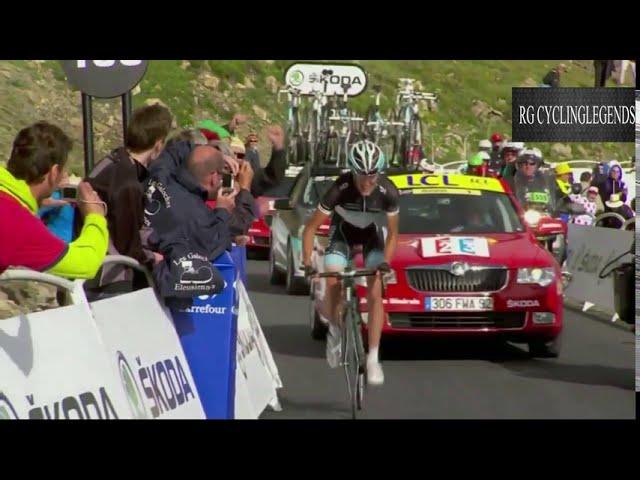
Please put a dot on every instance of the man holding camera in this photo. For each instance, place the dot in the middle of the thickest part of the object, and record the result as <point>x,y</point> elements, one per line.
<point>180,223</point>
<point>34,171</point>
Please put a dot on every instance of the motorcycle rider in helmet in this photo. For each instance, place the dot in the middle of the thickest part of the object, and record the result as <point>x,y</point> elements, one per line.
<point>508,156</point>
<point>529,178</point>
<point>484,146</point>
<point>496,142</point>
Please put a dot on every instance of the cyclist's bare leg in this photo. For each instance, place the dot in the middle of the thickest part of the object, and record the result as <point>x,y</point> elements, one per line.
<point>331,307</point>
<point>332,302</point>
<point>376,311</point>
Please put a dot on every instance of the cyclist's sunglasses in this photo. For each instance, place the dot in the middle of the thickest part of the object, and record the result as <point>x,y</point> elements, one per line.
<point>240,156</point>
<point>372,176</point>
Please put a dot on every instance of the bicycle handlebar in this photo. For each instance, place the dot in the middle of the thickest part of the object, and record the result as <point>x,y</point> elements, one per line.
<point>346,274</point>
<point>385,122</point>
<point>291,91</point>
<point>352,119</point>
<point>420,95</point>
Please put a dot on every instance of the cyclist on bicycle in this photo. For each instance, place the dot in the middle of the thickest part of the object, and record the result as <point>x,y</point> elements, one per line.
<point>360,201</point>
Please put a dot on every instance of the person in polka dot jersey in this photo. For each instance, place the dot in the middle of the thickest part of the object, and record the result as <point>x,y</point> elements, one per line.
<point>589,203</point>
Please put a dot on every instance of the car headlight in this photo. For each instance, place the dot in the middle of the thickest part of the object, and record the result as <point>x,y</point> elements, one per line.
<point>389,278</point>
<point>532,217</point>
<point>541,276</point>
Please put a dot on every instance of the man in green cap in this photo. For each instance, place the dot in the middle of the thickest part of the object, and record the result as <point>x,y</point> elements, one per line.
<point>220,132</point>
<point>477,164</point>
<point>212,130</point>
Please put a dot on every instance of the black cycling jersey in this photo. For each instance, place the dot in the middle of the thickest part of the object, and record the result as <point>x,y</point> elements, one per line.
<point>347,202</point>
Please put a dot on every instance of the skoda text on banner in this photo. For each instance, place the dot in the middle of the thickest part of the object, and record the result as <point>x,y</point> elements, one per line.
<point>143,347</point>
<point>53,366</point>
<point>573,114</point>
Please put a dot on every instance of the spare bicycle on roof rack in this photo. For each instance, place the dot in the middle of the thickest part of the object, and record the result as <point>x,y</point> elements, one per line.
<point>344,129</point>
<point>380,130</point>
<point>317,120</point>
<point>295,143</point>
<point>409,150</point>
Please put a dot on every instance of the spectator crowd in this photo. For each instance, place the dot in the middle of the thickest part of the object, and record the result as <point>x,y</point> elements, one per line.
<point>174,204</point>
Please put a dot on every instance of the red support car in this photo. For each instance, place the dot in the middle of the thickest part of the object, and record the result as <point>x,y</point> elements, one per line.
<point>467,264</point>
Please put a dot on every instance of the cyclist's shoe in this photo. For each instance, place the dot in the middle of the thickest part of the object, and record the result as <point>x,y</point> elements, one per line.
<point>375,375</point>
<point>334,346</point>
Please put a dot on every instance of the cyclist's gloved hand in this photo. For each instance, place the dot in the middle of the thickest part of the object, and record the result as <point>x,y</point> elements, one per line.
<point>384,267</point>
<point>309,270</point>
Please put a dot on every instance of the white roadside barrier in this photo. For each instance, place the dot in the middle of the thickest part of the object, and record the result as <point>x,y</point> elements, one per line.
<point>257,377</point>
<point>591,249</point>
<point>116,358</point>
<point>53,363</point>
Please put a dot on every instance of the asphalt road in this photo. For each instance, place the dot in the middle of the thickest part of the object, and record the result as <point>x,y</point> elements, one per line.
<point>592,379</point>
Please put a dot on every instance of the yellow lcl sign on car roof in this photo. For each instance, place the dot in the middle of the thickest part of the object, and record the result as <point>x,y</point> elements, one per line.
<point>418,180</point>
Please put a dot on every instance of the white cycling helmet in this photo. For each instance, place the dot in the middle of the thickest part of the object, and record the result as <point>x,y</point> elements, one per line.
<point>366,158</point>
<point>530,154</point>
<point>513,146</point>
<point>484,144</point>
<point>426,166</point>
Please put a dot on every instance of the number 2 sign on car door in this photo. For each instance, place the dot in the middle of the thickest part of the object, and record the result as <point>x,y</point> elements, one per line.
<point>437,246</point>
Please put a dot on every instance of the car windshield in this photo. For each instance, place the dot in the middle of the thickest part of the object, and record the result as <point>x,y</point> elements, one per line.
<point>315,190</point>
<point>473,212</point>
<point>280,190</point>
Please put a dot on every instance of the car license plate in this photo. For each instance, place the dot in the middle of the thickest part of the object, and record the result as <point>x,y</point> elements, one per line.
<point>458,304</point>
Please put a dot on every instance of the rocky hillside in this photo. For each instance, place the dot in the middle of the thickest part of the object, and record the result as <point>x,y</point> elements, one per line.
<point>475,99</point>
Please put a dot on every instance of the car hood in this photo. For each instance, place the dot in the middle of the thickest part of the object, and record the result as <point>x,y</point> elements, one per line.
<point>513,250</point>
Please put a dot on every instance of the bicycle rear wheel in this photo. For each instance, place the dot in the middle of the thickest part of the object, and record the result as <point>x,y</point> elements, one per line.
<point>312,138</point>
<point>370,130</point>
<point>332,150</point>
<point>397,159</point>
<point>388,147</point>
<point>292,140</point>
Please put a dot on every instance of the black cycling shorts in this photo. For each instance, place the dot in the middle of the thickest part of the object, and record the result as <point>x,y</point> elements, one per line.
<point>343,237</point>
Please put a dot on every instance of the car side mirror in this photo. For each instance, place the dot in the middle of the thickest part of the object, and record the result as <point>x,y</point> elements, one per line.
<point>282,204</point>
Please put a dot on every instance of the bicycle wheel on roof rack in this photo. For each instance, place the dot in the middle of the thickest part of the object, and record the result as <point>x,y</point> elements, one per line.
<point>291,140</point>
<point>370,131</point>
<point>312,138</point>
<point>332,150</point>
<point>415,129</point>
<point>388,147</point>
<point>399,150</point>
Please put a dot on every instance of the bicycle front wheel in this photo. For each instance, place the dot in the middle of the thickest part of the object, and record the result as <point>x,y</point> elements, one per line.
<point>352,360</point>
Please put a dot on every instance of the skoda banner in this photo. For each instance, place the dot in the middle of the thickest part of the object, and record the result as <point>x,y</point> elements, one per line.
<point>312,77</point>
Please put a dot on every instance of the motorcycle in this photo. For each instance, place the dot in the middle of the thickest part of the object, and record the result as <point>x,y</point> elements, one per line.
<point>550,231</point>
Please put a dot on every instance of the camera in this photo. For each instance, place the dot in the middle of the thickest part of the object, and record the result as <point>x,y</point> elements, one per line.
<point>227,181</point>
<point>69,193</point>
